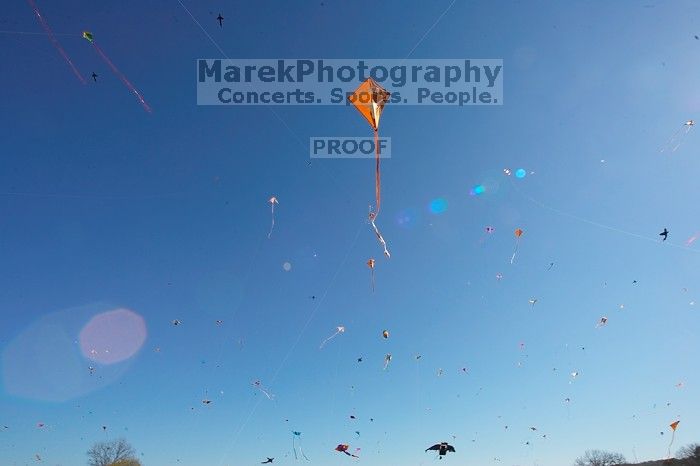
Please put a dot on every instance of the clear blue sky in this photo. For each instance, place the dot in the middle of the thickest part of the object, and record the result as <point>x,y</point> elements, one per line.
<point>104,206</point>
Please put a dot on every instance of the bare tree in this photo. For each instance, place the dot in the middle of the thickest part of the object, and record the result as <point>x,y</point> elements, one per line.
<point>109,453</point>
<point>129,462</point>
<point>599,458</point>
<point>689,452</point>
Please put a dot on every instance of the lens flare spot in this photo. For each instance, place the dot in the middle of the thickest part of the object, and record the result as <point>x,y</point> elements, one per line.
<point>520,173</point>
<point>477,190</point>
<point>438,206</point>
<point>407,218</point>
<point>113,336</point>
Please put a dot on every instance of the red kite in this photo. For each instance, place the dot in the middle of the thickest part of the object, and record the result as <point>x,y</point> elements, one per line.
<point>343,448</point>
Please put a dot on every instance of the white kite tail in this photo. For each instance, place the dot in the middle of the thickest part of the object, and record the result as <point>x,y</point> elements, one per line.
<point>673,435</point>
<point>512,259</point>
<point>323,343</point>
<point>273,221</point>
<point>379,235</point>
<point>677,138</point>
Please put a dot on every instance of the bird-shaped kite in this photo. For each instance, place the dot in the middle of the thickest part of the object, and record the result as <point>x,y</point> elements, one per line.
<point>343,448</point>
<point>272,201</point>
<point>442,448</point>
<point>369,99</point>
<point>664,234</point>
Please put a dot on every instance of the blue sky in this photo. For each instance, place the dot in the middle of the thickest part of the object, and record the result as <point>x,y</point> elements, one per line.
<point>105,206</point>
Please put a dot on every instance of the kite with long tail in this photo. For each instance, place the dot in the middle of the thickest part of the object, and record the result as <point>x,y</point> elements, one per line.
<point>89,37</point>
<point>338,330</point>
<point>673,426</point>
<point>343,448</point>
<point>272,201</point>
<point>54,41</point>
<point>297,444</point>
<point>518,234</point>
<point>369,99</point>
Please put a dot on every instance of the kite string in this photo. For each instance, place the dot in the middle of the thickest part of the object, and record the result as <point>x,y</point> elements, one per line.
<point>296,342</point>
<point>123,78</point>
<point>27,33</point>
<point>420,41</point>
<point>271,110</point>
<point>597,224</point>
<point>54,41</point>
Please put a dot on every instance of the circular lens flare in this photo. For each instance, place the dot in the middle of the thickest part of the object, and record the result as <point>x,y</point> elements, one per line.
<point>438,206</point>
<point>113,336</point>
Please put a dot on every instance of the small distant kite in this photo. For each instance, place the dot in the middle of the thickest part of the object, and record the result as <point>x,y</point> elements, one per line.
<point>603,321</point>
<point>518,233</point>
<point>532,301</point>
<point>664,234</point>
<point>385,334</point>
<point>176,322</point>
<point>272,201</point>
<point>257,384</point>
<point>94,76</point>
<point>369,99</point>
<point>442,449</point>
<point>370,264</point>
<point>343,448</point>
<point>678,137</point>
<point>339,329</point>
<point>296,443</point>
<point>387,360</point>
<point>220,19</point>
<point>268,460</point>
<point>87,35</point>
